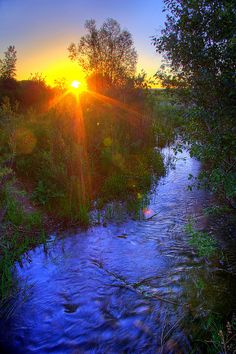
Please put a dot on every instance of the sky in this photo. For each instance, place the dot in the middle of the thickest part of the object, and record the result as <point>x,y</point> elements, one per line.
<point>42,30</point>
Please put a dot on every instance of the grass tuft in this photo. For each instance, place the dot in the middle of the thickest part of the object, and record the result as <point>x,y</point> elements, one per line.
<point>204,243</point>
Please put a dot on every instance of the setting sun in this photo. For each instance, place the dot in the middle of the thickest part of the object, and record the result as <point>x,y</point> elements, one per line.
<point>75,84</point>
<point>79,85</point>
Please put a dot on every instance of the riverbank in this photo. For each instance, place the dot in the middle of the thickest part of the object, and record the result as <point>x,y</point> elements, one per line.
<point>115,288</point>
<point>26,223</point>
<point>54,163</point>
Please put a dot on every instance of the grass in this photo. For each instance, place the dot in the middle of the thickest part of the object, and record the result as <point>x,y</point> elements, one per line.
<point>14,213</point>
<point>216,210</point>
<point>118,159</point>
<point>20,231</point>
<point>219,335</point>
<point>12,248</point>
<point>83,215</point>
<point>204,243</point>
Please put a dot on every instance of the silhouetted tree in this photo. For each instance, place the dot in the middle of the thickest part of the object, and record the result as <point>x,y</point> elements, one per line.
<point>107,53</point>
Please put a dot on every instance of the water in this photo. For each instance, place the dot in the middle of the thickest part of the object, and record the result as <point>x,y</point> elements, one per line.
<point>130,287</point>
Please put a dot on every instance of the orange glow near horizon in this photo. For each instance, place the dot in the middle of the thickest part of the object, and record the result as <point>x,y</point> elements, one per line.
<point>56,66</point>
<point>52,66</point>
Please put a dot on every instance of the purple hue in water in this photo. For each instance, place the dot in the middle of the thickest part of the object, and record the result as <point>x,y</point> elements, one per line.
<point>102,291</point>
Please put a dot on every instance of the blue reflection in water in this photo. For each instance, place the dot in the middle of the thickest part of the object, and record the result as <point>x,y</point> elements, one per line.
<point>116,289</point>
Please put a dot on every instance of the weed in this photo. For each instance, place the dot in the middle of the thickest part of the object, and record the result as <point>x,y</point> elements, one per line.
<point>115,186</point>
<point>201,241</point>
<point>216,210</point>
<point>137,204</point>
<point>12,250</point>
<point>33,220</point>
<point>16,237</point>
<point>219,335</point>
<point>99,217</point>
<point>83,215</point>
<point>14,212</point>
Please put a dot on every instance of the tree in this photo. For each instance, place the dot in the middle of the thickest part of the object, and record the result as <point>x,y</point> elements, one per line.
<point>199,47</point>
<point>8,64</point>
<point>107,54</point>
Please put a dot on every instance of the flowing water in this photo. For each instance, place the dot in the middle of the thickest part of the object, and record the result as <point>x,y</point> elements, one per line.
<point>128,287</point>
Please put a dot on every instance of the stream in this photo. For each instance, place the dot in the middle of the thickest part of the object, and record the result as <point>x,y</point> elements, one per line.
<point>135,286</point>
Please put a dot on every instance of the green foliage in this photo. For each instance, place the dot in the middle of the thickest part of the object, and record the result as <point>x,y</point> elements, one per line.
<point>118,159</point>
<point>83,215</point>
<point>169,117</point>
<point>200,65</point>
<point>12,250</point>
<point>216,210</point>
<point>87,147</point>
<point>44,193</point>
<point>136,176</point>
<point>201,241</point>
<point>107,53</point>
<point>20,230</point>
<point>14,212</point>
<point>4,172</point>
<point>137,204</point>
<point>115,186</point>
<point>33,220</point>
<point>215,335</point>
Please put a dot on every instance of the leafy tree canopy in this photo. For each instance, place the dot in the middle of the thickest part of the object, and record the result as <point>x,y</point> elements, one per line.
<point>199,47</point>
<point>107,52</point>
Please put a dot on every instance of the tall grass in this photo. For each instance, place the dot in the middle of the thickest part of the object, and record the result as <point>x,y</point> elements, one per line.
<point>69,160</point>
<point>20,231</point>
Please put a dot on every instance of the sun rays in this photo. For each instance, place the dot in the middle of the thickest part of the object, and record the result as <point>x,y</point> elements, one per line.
<point>79,87</point>
<point>76,89</point>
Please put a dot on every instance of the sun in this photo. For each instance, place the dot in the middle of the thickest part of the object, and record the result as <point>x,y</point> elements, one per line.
<point>75,84</point>
<point>79,86</point>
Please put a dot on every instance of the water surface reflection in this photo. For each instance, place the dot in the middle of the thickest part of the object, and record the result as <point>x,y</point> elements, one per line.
<point>132,287</point>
